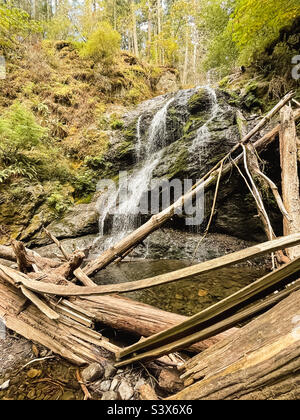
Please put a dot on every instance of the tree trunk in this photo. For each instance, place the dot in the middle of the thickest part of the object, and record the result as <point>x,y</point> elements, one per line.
<point>134,30</point>
<point>260,361</point>
<point>289,175</point>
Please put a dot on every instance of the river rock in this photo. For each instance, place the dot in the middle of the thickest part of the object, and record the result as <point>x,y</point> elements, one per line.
<point>110,396</point>
<point>81,220</point>
<point>114,384</point>
<point>92,372</point>
<point>105,386</point>
<point>125,390</point>
<point>109,371</point>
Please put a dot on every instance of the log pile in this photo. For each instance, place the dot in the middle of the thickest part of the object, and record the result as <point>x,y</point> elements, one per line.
<point>42,300</point>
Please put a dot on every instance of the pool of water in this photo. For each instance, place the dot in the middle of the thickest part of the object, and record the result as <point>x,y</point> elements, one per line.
<point>55,379</point>
<point>51,379</point>
<point>185,297</point>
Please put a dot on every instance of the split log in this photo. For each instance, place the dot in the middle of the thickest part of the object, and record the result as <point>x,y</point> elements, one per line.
<point>184,273</point>
<point>135,317</point>
<point>289,175</point>
<point>260,361</point>
<point>114,311</point>
<point>159,219</point>
<point>63,336</point>
<point>187,333</point>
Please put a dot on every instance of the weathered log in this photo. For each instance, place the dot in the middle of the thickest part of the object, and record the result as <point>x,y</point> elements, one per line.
<point>260,361</point>
<point>138,318</point>
<point>183,335</point>
<point>159,219</point>
<point>114,311</point>
<point>289,176</point>
<point>63,336</point>
<point>184,273</point>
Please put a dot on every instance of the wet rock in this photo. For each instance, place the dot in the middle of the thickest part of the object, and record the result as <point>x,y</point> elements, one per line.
<point>125,390</point>
<point>105,386</point>
<point>92,372</point>
<point>110,395</point>
<point>109,371</point>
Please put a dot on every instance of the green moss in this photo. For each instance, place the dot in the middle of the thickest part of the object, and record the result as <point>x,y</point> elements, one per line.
<point>116,124</point>
<point>178,168</point>
<point>125,148</point>
<point>199,102</point>
<point>85,200</point>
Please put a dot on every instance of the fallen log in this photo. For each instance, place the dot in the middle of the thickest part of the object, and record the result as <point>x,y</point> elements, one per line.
<point>260,361</point>
<point>184,273</point>
<point>289,176</point>
<point>63,336</point>
<point>159,219</point>
<point>135,317</point>
<point>183,335</point>
<point>114,311</point>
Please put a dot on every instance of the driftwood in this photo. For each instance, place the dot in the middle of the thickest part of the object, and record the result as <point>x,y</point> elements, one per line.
<point>138,318</point>
<point>183,335</point>
<point>114,311</point>
<point>290,180</point>
<point>205,267</point>
<point>260,361</point>
<point>159,219</point>
<point>64,336</point>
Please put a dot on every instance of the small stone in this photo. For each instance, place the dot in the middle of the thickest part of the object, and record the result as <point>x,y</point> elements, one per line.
<point>125,390</point>
<point>33,373</point>
<point>5,385</point>
<point>110,395</point>
<point>92,372</point>
<point>109,371</point>
<point>114,384</point>
<point>139,383</point>
<point>31,394</point>
<point>105,386</point>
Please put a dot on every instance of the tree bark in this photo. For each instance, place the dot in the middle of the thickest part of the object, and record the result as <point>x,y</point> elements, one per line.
<point>260,361</point>
<point>289,175</point>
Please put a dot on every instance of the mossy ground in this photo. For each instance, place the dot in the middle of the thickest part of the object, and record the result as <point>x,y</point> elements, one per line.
<point>79,102</point>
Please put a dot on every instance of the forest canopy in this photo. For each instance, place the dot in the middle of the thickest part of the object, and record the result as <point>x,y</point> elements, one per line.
<point>191,35</point>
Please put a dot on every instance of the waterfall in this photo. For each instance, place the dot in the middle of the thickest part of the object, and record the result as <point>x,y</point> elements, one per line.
<point>203,133</point>
<point>148,155</point>
<point>149,149</point>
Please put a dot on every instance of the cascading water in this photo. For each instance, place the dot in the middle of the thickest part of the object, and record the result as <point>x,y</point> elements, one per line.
<point>203,133</point>
<point>148,153</point>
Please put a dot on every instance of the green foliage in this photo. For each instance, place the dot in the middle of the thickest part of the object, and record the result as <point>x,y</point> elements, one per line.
<point>58,202</point>
<point>18,129</point>
<point>255,24</point>
<point>15,24</point>
<point>84,183</point>
<point>103,44</point>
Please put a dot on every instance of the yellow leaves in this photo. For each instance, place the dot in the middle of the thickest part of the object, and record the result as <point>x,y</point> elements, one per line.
<point>33,373</point>
<point>202,293</point>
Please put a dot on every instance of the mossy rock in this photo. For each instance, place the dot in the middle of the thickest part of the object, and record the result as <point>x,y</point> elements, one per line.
<point>199,102</point>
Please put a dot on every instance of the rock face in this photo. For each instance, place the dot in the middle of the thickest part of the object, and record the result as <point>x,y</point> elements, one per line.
<point>192,130</point>
<point>168,82</point>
